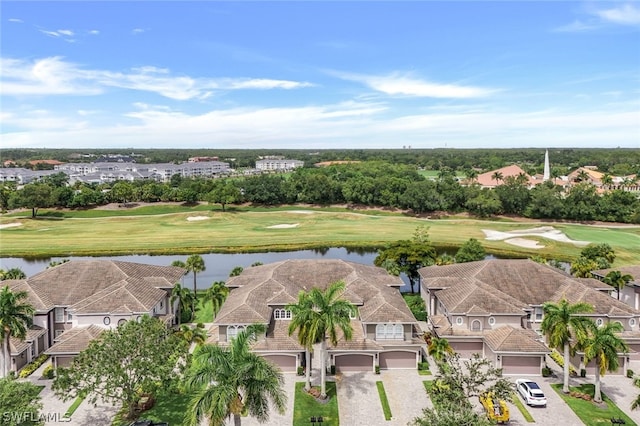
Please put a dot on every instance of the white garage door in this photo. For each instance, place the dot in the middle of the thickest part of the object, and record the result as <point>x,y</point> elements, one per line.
<point>521,365</point>
<point>591,368</point>
<point>354,362</point>
<point>634,352</point>
<point>397,359</point>
<point>466,349</point>
<point>287,363</point>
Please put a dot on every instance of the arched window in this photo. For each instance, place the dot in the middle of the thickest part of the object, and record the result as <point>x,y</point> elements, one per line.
<point>389,332</point>
<point>121,321</point>
<point>476,325</point>
<point>233,330</point>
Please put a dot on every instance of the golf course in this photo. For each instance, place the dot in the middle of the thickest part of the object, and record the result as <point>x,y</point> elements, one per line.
<point>176,229</point>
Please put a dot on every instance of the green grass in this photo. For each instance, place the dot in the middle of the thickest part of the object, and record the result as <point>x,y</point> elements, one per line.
<point>305,406</point>
<point>169,408</point>
<point>72,409</point>
<point>516,401</point>
<point>587,411</point>
<point>384,401</point>
<point>204,311</point>
<point>154,231</point>
<point>424,372</point>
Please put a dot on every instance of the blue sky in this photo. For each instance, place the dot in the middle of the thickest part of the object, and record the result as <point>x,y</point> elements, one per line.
<point>320,75</point>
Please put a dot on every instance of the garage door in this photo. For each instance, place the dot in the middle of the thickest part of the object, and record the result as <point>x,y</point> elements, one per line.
<point>287,363</point>
<point>634,352</point>
<point>354,362</point>
<point>466,349</point>
<point>591,368</point>
<point>397,359</point>
<point>521,365</point>
<point>64,361</point>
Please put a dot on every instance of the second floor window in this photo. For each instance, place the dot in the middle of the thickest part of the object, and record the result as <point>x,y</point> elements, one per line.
<point>389,331</point>
<point>59,314</point>
<point>281,314</point>
<point>233,330</point>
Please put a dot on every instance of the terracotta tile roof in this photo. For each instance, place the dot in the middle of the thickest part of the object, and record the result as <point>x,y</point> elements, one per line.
<point>71,282</point>
<point>75,340</point>
<point>510,339</point>
<point>487,180</point>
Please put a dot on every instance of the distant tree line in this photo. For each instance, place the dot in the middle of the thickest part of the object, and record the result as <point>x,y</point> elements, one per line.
<point>618,162</point>
<point>371,184</point>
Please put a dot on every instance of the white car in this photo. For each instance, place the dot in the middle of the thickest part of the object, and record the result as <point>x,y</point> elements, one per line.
<point>531,392</point>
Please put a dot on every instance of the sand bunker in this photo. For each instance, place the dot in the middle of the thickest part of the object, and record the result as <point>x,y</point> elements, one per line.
<point>543,231</point>
<point>10,225</point>
<point>283,225</point>
<point>301,211</point>
<point>192,218</point>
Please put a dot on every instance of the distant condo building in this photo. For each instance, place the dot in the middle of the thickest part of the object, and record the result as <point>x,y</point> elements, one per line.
<point>278,164</point>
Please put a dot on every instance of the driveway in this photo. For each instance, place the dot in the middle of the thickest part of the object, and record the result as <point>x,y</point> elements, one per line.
<point>290,380</point>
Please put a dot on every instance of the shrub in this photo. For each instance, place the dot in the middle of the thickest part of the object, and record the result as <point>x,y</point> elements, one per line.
<point>583,372</point>
<point>48,372</point>
<point>630,373</point>
<point>377,369</point>
<point>423,365</point>
<point>333,369</point>
<point>546,372</point>
<point>559,359</point>
<point>300,370</point>
<point>28,369</point>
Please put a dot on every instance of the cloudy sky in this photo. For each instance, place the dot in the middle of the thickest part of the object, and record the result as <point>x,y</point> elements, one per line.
<point>320,75</point>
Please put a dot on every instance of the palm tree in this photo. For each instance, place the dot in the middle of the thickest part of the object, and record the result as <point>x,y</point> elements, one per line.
<point>325,313</point>
<point>471,174</point>
<point>197,335</point>
<point>300,321</point>
<point>194,264</point>
<point>561,323</point>
<point>603,345</point>
<point>617,280</point>
<point>607,180</point>
<point>231,381</point>
<point>582,176</point>
<point>15,319</point>
<point>185,297</point>
<point>216,294</point>
<point>439,349</point>
<point>497,176</point>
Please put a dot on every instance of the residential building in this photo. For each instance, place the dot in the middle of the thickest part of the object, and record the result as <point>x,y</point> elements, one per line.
<point>385,333</point>
<point>75,300</point>
<point>277,164</point>
<point>22,176</point>
<point>494,308</point>
<point>630,294</point>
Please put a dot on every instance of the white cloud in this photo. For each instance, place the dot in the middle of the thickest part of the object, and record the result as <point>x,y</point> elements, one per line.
<point>66,32</point>
<point>626,14</point>
<point>576,26</point>
<point>38,120</point>
<point>50,33</point>
<point>136,31</point>
<point>94,32</point>
<point>16,20</point>
<point>398,84</point>
<point>54,76</point>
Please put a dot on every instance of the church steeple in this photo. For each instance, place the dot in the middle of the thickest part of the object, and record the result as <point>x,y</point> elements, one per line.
<point>547,172</point>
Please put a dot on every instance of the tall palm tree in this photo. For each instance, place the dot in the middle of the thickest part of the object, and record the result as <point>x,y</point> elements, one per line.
<point>603,344</point>
<point>15,319</point>
<point>216,294</point>
<point>185,298</point>
<point>471,175</point>
<point>194,264</point>
<point>607,180</point>
<point>617,280</point>
<point>582,176</point>
<point>439,349</point>
<point>561,323</point>
<point>191,335</point>
<point>231,380</point>
<point>497,176</point>
<point>300,321</point>
<point>327,313</point>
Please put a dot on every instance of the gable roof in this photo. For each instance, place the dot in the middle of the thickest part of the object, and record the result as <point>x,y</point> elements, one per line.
<point>487,180</point>
<point>259,288</point>
<point>75,340</point>
<point>633,270</point>
<point>510,339</point>
<point>72,282</point>
<point>516,283</point>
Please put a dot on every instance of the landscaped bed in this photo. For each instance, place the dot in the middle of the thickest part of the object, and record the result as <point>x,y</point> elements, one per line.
<point>306,406</point>
<point>589,412</point>
<point>169,408</point>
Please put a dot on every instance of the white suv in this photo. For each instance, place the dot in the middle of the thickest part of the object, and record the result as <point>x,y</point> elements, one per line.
<point>531,392</point>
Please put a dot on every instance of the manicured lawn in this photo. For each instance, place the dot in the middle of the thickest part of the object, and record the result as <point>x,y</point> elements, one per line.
<point>590,413</point>
<point>518,403</point>
<point>306,406</point>
<point>384,401</point>
<point>170,409</point>
<point>72,409</point>
<point>204,311</point>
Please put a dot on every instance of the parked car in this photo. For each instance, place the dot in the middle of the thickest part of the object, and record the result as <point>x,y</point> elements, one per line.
<point>531,392</point>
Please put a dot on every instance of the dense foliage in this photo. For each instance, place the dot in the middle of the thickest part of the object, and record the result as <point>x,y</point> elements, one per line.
<point>372,183</point>
<point>20,403</point>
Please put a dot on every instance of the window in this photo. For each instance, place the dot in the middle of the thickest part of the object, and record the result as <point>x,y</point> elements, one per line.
<point>632,322</point>
<point>233,330</point>
<point>58,333</point>
<point>492,320</point>
<point>121,321</point>
<point>69,317</point>
<point>539,312</point>
<point>281,314</point>
<point>389,332</point>
<point>33,350</point>
<point>354,314</point>
<point>106,320</point>
<point>459,320</point>
<point>599,322</point>
<point>476,325</point>
<point>59,314</point>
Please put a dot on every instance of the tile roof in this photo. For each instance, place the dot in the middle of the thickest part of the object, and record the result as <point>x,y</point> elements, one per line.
<point>487,180</point>
<point>75,340</point>
<point>128,296</point>
<point>40,302</point>
<point>633,270</point>
<point>72,282</point>
<point>510,339</point>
